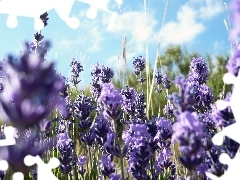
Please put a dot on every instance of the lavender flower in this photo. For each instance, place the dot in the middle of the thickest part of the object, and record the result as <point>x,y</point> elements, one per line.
<point>31,91</point>
<point>65,147</point>
<point>129,98</point>
<point>140,106</point>
<point>164,132</point>
<point>110,102</point>
<point>168,110</point>
<point>114,176</point>
<point>233,64</point>
<point>76,69</point>
<point>139,64</point>
<point>164,162</point>
<point>83,106</point>
<point>189,134</point>
<point>166,82</point>
<point>158,78</point>
<point>186,98</point>
<point>44,18</point>
<point>235,16</point>
<point>204,97</point>
<point>96,89</point>
<point>138,140</point>
<point>101,129</point>
<point>198,71</point>
<point>106,165</point>
<point>106,74</point>
<point>82,160</point>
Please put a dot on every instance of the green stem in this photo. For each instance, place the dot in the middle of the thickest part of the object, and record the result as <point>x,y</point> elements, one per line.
<point>119,147</point>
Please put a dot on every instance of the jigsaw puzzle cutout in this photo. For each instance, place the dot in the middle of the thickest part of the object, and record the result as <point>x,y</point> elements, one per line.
<point>44,170</point>
<point>34,8</point>
<point>231,131</point>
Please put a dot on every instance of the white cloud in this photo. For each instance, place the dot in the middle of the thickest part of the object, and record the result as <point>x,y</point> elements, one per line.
<point>185,30</point>
<point>190,21</point>
<point>132,24</point>
<point>90,37</point>
<point>208,9</point>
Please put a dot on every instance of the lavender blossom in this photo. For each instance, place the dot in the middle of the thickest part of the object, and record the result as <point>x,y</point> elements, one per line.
<point>44,18</point>
<point>83,106</point>
<point>101,128</point>
<point>164,132</point>
<point>198,71</point>
<point>65,147</point>
<point>204,97</point>
<point>186,98</point>
<point>76,69</point>
<point>189,134</point>
<point>106,74</point>
<point>96,89</point>
<point>166,82</point>
<point>139,64</point>
<point>138,140</point>
<point>129,98</point>
<point>168,110</point>
<point>106,165</point>
<point>110,102</point>
<point>235,16</point>
<point>164,162</point>
<point>233,64</point>
<point>31,91</point>
<point>140,106</point>
<point>82,160</point>
<point>158,78</point>
<point>114,177</point>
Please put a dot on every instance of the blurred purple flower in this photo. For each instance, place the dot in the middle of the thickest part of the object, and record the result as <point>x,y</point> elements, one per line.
<point>31,91</point>
<point>233,64</point>
<point>234,6</point>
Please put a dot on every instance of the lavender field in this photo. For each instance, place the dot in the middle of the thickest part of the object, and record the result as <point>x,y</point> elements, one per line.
<point>142,122</point>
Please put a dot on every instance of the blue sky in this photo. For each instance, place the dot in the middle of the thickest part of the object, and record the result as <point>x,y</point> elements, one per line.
<point>197,24</point>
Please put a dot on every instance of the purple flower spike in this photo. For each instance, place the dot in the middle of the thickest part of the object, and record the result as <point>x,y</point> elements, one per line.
<point>31,91</point>
<point>82,160</point>
<point>188,132</point>
<point>106,165</point>
<point>139,64</point>
<point>198,71</point>
<point>76,69</point>
<point>110,102</point>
